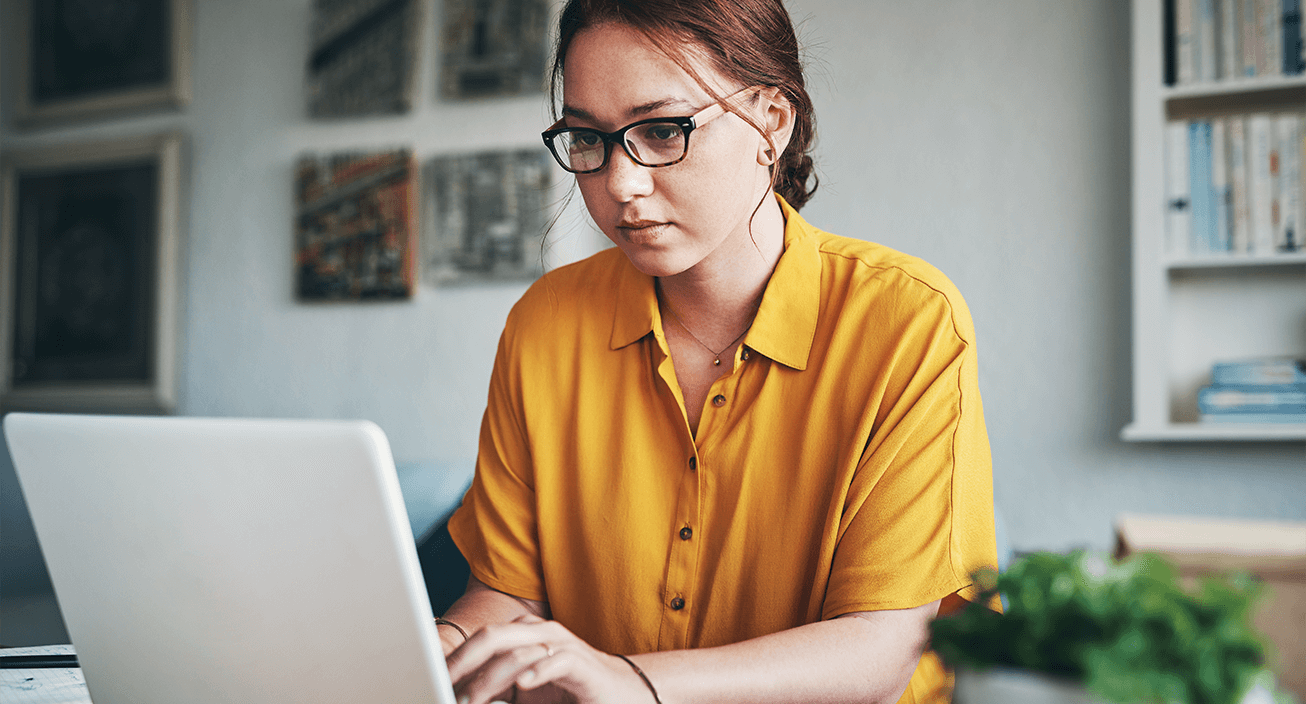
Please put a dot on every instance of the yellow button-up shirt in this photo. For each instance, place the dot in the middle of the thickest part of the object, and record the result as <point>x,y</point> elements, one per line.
<point>842,465</point>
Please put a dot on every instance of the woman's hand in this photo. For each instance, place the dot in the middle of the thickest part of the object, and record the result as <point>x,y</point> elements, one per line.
<point>544,662</point>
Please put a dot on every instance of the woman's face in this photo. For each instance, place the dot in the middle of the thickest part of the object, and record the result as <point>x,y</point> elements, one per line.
<point>668,219</point>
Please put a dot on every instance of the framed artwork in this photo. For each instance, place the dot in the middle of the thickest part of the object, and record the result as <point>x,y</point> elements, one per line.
<point>492,48</point>
<point>89,257</point>
<point>490,213</point>
<point>363,57</point>
<point>355,226</point>
<point>85,58</point>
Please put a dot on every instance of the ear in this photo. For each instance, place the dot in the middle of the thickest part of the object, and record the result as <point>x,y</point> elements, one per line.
<point>777,116</point>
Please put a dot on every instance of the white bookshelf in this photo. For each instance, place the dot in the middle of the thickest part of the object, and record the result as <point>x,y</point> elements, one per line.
<point>1235,261</point>
<point>1235,87</point>
<point>1190,311</point>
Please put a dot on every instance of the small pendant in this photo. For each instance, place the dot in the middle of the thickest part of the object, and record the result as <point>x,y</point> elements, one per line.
<point>716,362</point>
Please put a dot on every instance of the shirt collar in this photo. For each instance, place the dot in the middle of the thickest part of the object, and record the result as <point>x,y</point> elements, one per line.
<point>785,324</point>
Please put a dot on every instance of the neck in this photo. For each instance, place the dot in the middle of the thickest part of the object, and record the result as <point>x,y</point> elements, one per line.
<point>717,297</point>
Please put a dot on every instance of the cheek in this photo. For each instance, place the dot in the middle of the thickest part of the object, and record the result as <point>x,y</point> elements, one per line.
<point>599,203</point>
<point>726,160</point>
<point>721,180</point>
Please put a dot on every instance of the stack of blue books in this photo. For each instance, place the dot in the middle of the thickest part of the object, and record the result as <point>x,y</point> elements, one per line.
<point>1271,390</point>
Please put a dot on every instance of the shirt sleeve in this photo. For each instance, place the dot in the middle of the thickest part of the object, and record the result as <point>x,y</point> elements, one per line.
<point>496,525</point>
<point>918,516</point>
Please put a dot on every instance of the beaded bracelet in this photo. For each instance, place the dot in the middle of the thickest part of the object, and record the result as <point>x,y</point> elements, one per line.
<point>447,622</point>
<point>642,676</point>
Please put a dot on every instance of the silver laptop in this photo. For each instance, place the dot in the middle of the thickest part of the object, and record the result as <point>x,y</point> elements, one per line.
<point>223,560</point>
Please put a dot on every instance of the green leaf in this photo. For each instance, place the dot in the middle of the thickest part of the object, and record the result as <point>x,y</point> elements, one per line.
<point>1129,630</point>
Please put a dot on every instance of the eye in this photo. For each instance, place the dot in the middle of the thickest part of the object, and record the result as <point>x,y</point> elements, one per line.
<point>586,139</point>
<point>662,132</point>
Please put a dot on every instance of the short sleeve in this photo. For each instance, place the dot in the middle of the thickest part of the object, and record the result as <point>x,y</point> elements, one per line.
<point>496,525</point>
<point>918,516</point>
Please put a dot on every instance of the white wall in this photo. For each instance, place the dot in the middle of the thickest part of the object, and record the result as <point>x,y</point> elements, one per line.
<point>989,137</point>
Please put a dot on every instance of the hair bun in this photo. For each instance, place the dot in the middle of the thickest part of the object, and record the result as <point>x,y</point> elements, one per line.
<point>791,181</point>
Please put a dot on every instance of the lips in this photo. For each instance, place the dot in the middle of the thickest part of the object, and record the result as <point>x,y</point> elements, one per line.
<point>644,233</point>
<point>638,224</point>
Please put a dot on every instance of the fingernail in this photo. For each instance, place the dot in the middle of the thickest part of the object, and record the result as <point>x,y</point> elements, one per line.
<point>464,699</point>
<point>526,677</point>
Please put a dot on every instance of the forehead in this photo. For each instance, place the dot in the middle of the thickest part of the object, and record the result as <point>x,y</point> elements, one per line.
<point>611,71</point>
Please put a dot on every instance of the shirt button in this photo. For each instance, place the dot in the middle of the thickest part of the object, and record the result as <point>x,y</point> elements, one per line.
<point>693,464</point>
<point>718,400</point>
<point>677,604</point>
<point>686,533</point>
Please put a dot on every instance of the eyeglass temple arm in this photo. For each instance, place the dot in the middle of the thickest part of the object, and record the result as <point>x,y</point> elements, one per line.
<point>717,109</point>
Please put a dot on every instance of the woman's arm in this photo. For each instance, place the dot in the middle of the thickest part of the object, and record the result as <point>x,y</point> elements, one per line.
<point>867,656</point>
<point>862,657</point>
<point>481,606</point>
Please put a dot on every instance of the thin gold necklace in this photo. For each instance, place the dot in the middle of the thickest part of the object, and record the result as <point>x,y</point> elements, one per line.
<point>717,355</point>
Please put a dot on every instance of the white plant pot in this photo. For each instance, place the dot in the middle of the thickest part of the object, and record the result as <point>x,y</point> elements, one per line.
<point>1005,686</point>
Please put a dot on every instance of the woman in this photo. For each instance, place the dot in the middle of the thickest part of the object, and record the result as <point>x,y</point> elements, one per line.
<point>734,459</point>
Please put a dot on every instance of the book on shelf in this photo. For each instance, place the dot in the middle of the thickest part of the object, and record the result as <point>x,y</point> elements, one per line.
<point>1269,18</point>
<point>1202,196</point>
<point>1264,398</point>
<point>1215,40</point>
<point>1226,15</point>
<point>1253,418</point>
<point>1267,390</point>
<point>1253,404</point>
<point>1204,52</point>
<point>1234,185</point>
<point>1240,241</point>
<point>1170,68</point>
<point>1176,188</point>
<point>1287,231</point>
<point>1261,371</point>
<point>1261,169</point>
<point>1183,41</point>
<point>1221,190</point>
<point>1250,47</point>
<point>1294,38</point>
<point>1276,184</point>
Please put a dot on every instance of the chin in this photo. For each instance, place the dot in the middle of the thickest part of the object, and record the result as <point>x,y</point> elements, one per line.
<point>656,263</point>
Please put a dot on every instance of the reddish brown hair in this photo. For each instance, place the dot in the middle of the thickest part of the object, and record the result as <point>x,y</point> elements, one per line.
<point>749,41</point>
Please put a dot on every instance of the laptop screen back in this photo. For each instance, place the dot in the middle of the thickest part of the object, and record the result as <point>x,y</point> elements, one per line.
<point>227,560</point>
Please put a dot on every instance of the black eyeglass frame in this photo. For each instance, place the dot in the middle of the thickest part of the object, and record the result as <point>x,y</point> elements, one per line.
<point>686,125</point>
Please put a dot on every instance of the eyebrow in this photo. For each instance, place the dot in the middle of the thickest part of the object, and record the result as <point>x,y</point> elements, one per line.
<point>637,111</point>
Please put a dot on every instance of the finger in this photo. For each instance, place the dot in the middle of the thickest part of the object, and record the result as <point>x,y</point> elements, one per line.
<point>529,677</point>
<point>555,666</point>
<point>491,641</point>
<point>498,674</point>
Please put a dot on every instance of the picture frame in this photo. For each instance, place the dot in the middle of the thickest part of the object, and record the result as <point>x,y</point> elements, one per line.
<point>355,226</point>
<point>493,48</point>
<point>489,213</point>
<point>80,59</point>
<point>90,251</point>
<point>363,57</point>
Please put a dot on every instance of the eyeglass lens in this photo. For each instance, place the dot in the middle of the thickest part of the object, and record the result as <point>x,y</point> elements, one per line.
<point>649,144</point>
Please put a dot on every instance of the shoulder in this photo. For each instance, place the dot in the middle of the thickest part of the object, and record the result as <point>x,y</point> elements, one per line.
<point>896,281</point>
<point>570,294</point>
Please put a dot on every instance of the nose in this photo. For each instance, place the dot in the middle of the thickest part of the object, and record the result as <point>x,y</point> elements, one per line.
<point>627,180</point>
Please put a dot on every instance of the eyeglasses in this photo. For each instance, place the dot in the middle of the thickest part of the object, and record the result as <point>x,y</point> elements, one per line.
<point>658,141</point>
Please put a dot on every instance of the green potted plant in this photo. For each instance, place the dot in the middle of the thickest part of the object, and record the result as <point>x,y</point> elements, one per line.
<point>1083,628</point>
